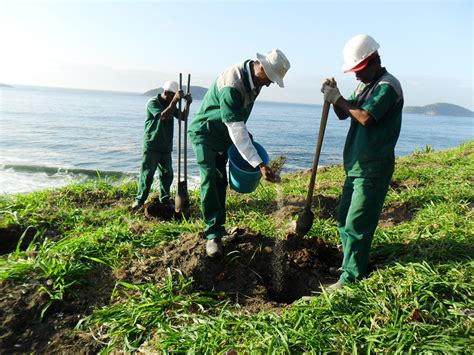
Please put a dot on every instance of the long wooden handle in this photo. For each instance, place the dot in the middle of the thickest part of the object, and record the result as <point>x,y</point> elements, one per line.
<point>179,128</point>
<point>185,151</point>
<point>322,129</point>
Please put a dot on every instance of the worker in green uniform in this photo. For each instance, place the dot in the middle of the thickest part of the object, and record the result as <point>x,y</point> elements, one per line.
<point>219,123</point>
<point>375,109</point>
<point>158,142</point>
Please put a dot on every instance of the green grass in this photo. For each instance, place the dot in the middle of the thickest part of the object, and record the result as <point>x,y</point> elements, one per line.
<point>420,298</point>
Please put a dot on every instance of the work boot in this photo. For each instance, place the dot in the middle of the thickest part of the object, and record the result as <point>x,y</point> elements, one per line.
<point>213,248</point>
<point>136,206</point>
<point>336,286</point>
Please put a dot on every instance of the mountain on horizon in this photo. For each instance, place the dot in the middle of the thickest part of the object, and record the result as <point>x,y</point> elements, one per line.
<point>440,109</point>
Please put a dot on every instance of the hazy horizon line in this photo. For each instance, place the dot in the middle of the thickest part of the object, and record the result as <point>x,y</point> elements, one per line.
<point>143,93</point>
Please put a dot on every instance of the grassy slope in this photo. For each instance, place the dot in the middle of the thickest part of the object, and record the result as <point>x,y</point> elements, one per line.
<point>419,299</point>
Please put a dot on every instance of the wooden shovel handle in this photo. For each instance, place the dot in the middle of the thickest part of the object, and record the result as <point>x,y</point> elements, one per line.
<point>185,150</point>
<point>322,129</point>
<point>179,127</point>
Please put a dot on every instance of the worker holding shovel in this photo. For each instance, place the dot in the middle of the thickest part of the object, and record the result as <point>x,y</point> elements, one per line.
<point>219,123</point>
<point>158,142</point>
<point>375,109</point>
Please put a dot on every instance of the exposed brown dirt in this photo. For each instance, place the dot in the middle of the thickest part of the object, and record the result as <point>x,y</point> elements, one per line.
<point>323,207</point>
<point>395,214</point>
<point>157,210</point>
<point>246,274</point>
<point>22,330</point>
<point>10,237</point>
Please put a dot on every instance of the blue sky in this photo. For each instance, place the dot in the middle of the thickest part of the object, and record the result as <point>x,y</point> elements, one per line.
<point>136,45</point>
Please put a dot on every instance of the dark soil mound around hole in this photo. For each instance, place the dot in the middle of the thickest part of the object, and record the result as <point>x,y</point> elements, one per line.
<point>246,274</point>
<point>162,211</point>
<point>10,237</point>
<point>322,206</point>
<point>22,330</point>
<point>395,214</point>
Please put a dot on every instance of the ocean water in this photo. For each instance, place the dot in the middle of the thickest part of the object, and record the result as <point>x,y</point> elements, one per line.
<point>50,137</point>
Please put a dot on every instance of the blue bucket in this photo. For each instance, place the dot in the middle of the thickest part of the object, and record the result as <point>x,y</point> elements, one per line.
<point>243,177</point>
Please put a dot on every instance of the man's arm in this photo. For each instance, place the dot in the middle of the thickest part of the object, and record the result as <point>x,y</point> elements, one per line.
<point>167,113</point>
<point>344,109</point>
<point>340,114</point>
<point>231,109</point>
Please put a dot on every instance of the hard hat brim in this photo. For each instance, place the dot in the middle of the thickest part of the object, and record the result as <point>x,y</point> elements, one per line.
<point>360,65</point>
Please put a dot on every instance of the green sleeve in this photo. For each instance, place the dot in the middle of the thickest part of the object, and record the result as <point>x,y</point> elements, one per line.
<point>231,105</point>
<point>154,108</point>
<point>352,99</point>
<point>381,101</point>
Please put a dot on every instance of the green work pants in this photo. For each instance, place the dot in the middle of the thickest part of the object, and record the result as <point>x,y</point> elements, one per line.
<point>358,215</point>
<point>152,160</point>
<point>212,170</point>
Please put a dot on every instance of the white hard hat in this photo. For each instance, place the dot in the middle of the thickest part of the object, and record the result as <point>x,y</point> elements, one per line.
<point>357,51</point>
<point>275,64</point>
<point>171,86</point>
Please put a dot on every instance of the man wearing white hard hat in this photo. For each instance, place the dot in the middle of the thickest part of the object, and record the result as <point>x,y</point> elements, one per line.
<point>375,109</point>
<point>219,123</point>
<point>158,142</point>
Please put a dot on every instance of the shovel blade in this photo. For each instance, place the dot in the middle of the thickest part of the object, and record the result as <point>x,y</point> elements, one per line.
<point>181,202</point>
<point>304,222</point>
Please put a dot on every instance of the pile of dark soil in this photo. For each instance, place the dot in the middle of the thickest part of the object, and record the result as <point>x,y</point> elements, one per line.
<point>255,272</point>
<point>155,210</point>
<point>23,330</point>
<point>15,235</point>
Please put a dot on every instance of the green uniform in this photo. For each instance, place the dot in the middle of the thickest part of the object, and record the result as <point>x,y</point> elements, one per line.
<point>157,147</point>
<point>369,160</point>
<point>229,99</point>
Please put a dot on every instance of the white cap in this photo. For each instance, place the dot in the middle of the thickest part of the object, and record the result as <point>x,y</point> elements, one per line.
<point>171,86</point>
<point>275,65</point>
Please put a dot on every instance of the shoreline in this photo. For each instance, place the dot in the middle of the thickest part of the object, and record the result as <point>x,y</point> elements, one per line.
<point>78,176</point>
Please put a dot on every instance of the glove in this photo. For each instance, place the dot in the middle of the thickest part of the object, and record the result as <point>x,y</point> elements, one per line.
<point>331,94</point>
<point>325,83</point>
<point>328,82</point>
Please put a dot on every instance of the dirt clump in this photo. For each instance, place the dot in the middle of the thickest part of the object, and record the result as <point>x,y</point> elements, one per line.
<point>395,214</point>
<point>246,273</point>
<point>23,330</point>
<point>157,210</point>
<point>323,207</point>
<point>12,234</point>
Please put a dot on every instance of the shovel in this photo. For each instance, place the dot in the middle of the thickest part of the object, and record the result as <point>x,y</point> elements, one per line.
<point>305,217</point>
<point>181,205</point>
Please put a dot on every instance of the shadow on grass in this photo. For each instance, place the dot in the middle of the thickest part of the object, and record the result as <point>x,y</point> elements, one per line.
<point>430,251</point>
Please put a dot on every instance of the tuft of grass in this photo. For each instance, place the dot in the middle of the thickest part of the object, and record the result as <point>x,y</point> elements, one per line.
<point>419,298</point>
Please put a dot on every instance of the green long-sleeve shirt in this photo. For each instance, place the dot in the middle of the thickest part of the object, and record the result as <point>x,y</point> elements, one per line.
<point>370,150</point>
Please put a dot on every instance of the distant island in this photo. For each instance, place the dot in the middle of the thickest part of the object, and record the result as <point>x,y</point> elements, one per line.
<point>197,92</point>
<point>440,109</point>
<point>5,86</point>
